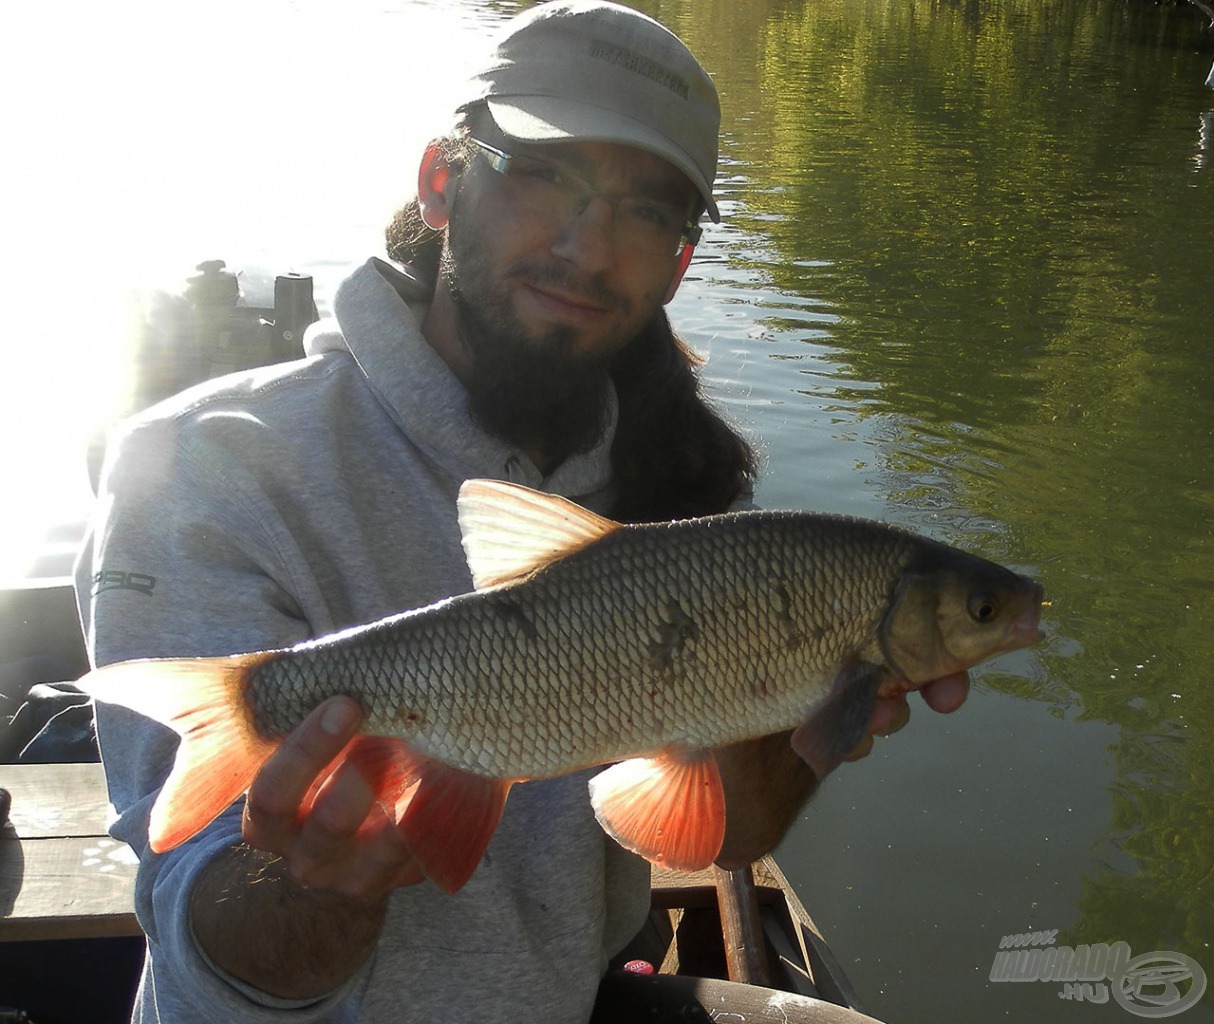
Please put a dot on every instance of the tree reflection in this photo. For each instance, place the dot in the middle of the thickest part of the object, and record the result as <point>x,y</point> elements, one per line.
<point>1019,253</point>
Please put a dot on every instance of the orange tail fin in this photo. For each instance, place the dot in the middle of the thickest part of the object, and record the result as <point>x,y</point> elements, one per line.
<point>202,699</point>
<point>669,809</point>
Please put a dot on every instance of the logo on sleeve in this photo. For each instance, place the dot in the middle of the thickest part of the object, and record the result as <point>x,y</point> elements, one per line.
<point>116,579</point>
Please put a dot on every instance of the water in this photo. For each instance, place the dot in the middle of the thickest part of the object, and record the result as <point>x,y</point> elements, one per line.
<point>964,283</point>
<point>980,242</point>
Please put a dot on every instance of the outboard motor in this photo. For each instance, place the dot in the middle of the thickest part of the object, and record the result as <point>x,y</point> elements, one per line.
<point>220,323</point>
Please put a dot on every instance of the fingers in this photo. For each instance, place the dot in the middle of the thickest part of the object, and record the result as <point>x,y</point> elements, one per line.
<point>947,693</point>
<point>861,749</point>
<point>890,714</point>
<point>319,813</point>
<point>280,788</point>
<point>944,695</point>
<point>362,856</point>
<point>342,805</point>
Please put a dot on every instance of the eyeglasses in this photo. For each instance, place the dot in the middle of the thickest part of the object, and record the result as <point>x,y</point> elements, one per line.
<point>552,190</point>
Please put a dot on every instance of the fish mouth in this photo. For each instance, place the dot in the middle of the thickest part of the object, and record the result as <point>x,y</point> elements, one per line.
<point>1026,627</point>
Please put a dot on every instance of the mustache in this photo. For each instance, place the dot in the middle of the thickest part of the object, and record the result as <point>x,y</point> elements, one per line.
<point>589,289</point>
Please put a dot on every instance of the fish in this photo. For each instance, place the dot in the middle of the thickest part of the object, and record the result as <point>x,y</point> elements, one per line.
<point>586,642</point>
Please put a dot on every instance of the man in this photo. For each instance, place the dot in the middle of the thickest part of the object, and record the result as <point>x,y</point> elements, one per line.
<point>521,337</point>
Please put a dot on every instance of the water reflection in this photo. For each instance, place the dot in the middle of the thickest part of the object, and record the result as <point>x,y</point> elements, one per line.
<point>991,209</point>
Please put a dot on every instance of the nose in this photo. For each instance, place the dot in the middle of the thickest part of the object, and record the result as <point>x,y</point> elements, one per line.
<point>588,239</point>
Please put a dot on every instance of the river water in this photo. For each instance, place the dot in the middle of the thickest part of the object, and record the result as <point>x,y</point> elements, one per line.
<point>964,283</point>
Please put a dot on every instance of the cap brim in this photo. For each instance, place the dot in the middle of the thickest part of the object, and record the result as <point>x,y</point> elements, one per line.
<point>546,119</point>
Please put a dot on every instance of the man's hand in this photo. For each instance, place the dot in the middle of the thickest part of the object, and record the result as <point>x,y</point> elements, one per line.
<point>299,909</point>
<point>767,784</point>
<point>891,713</point>
<point>323,820</point>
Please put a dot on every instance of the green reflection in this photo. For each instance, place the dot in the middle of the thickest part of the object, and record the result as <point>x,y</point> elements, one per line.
<point>1008,208</point>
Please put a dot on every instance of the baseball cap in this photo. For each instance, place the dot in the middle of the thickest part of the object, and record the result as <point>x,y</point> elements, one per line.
<point>601,72</point>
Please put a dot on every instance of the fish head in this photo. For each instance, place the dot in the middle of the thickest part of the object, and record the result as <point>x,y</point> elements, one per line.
<point>952,610</point>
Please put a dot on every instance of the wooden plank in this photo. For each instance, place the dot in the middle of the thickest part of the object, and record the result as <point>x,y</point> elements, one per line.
<point>61,876</point>
<point>666,878</point>
<point>77,887</point>
<point>801,950</point>
<point>56,799</point>
<point>745,951</point>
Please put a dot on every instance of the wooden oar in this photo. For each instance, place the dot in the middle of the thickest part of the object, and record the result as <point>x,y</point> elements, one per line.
<point>745,950</point>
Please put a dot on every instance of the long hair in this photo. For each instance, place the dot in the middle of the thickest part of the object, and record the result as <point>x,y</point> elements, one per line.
<point>673,456</point>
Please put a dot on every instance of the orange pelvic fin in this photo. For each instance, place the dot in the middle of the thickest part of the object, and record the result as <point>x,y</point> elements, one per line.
<point>202,699</point>
<point>511,532</point>
<point>669,809</point>
<point>446,815</point>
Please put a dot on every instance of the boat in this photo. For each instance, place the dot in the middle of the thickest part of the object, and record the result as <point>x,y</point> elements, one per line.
<point>715,942</point>
<point>728,946</point>
<point>717,945</point>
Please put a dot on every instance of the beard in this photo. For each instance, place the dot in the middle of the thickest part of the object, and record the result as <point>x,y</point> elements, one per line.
<point>532,388</point>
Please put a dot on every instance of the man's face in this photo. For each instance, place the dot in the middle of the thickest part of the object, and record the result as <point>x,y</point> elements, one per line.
<point>542,303</point>
<point>568,282</point>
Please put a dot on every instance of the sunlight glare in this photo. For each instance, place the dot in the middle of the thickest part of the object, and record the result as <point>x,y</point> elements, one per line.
<point>152,137</point>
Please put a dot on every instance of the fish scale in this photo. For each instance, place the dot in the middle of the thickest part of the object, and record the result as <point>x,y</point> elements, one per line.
<point>582,662</point>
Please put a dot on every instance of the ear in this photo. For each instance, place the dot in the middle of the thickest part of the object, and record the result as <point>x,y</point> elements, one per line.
<point>680,270</point>
<point>434,181</point>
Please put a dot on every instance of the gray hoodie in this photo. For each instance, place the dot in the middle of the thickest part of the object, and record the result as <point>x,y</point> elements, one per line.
<point>285,503</point>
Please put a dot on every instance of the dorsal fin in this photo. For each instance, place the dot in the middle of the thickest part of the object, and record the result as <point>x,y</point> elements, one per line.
<point>510,532</point>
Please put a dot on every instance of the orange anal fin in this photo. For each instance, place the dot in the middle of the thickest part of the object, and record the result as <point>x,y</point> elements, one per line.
<point>669,809</point>
<point>449,821</point>
<point>202,699</point>
<point>446,815</point>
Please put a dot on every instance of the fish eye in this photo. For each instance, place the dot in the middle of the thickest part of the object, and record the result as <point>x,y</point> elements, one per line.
<point>983,607</point>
